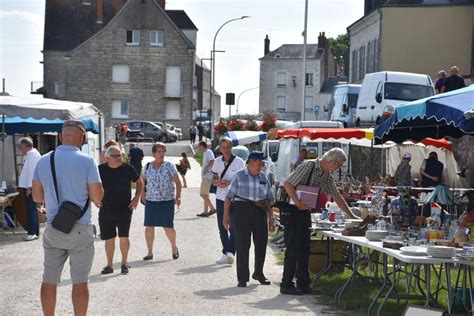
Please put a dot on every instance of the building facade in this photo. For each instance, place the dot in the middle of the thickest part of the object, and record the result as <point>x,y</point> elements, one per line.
<point>132,59</point>
<point>281,78</point>
<point>202,90</point>
<point>422,36</point>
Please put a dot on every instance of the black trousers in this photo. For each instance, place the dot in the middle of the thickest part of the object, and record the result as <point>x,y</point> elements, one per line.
<point>298,247</point>
<point>249,221</point>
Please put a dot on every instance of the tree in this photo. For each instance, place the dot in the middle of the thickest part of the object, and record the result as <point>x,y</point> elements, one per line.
<point>340,47</point>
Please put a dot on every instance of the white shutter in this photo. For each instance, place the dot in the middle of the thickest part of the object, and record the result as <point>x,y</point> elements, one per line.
<point>120,109</point>
<point>120,73</point>
<point>173,110</point>
<point>281,79</point>
<point>281,103</point>
<point>173,82</point>
<point>309,102</point>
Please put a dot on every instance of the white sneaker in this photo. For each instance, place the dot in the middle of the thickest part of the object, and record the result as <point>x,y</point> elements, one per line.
<point>222,259</point>
<point>29,238</point>
<point>230,258</point>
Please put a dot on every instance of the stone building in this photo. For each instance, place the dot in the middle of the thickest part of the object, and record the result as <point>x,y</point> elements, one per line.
<point>202,90</point>
<point>281,78</point>
<point>420,36</point>
<point>132,59</point>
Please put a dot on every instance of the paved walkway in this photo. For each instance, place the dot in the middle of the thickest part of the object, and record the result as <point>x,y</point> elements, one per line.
<point>191,285</point>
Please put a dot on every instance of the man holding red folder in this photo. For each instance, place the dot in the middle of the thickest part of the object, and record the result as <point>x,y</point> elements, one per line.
<point>313,173</point>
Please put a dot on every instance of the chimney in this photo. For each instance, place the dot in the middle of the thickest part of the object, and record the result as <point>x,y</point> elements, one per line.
<point>117,5</point>
<point>163,4</point>
<point>322,40</point>
<point>267,46</point>
<point>100,11</point>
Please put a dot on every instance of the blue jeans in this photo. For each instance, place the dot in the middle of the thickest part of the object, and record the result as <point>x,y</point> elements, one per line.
<point>32,216</point>
<point>227,236</point>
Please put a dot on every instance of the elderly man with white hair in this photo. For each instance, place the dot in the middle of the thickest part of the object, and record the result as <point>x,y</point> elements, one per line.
<point>31,158</point>
<point>115,215</point>
<point>315,173</point>
<point>453,82</point>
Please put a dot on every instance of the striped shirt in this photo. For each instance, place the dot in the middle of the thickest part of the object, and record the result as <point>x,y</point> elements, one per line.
<point>248,187</point>
<point>319,178</point>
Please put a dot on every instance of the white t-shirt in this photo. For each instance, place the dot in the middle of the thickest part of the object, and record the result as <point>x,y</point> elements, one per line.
<point>237,164</point>
<point>29,164</point>
<point>208,156</point>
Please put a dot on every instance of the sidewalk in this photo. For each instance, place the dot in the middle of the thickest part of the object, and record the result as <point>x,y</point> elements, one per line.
<point>191,285</point>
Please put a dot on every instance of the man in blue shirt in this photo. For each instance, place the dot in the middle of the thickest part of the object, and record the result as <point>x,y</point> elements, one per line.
<point>135,155</point>
<point>78,180</point>
<point>250,197</point>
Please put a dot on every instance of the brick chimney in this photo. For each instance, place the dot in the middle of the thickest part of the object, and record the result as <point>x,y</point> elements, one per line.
<point>162,4</point>
<point>99,11</point>
<point>322,40</point>
<point>267,46</point>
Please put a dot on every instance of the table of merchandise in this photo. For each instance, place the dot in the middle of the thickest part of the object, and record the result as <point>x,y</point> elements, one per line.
<point>5,201</point>
<point>412,273</point>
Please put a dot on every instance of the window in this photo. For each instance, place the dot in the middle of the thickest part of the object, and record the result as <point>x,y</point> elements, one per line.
<point>309,103</point>
<point>281,79</point>
<point>375,65</point>
<point>133,37</point>
<point>173,110</point>
<point>281,103</point>
<point>354,66</point>
<point>309,79</point>
<point>361,62</point>
<point>120,73</point>
<point>173,82</point>
<point>370,62</point>
<point>157,38</point>
<point>120,109</point>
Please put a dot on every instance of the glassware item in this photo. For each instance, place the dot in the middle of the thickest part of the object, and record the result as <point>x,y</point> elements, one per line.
<point>332,217</point>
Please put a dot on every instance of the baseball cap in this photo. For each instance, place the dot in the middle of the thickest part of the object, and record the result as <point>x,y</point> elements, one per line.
<point>76,124</point>
<point>256,155</point>
<point>406,155</point>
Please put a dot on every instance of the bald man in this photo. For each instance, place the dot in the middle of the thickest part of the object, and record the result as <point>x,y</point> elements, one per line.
<point>78,182</point>
<point>453,82</point>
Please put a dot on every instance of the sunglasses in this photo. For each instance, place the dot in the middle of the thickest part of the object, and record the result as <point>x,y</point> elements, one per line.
<point>115,156</point>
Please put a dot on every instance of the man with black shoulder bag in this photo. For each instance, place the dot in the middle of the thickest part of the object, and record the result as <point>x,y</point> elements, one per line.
<point>310,176</point>
<point>67,180</point>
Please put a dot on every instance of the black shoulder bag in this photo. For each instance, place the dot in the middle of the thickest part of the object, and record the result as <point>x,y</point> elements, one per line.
<point>213,188</point>
<point>68,212</point>
<point>290,214</point>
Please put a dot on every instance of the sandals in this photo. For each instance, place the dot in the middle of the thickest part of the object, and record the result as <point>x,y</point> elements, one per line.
<point>203,214</point>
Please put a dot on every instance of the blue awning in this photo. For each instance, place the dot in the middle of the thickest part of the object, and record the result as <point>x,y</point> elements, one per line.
<point>18,125</point>
<point>245,137</point>
<point>436,117</point>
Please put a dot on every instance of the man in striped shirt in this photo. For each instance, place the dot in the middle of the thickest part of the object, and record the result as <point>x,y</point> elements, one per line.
<point>250,197</point>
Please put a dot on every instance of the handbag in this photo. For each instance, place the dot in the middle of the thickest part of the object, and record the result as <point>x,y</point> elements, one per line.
<point>290,214</point>
<point>68,212</point>
<point>213,188</point>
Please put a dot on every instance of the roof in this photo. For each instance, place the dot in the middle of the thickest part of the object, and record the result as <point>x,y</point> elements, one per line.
<point>199,62</point>
<point>68,23</point>
<point>295,51</point>
<point>181,19</point>
<point>330,82</point>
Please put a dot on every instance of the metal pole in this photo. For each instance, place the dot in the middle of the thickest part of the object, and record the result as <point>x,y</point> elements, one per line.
<point>213,56</point>
<point>238,98</point>
<point>303,109</point>
<point>3,145</point>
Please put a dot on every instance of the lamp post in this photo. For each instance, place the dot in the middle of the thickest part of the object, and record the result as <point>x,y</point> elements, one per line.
<point>303,107</point>
<point>238,98</point>
<point>213,57</point>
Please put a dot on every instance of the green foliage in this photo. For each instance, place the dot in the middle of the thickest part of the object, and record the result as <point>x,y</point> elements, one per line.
<point>340,47</point>
<point>198,157</point>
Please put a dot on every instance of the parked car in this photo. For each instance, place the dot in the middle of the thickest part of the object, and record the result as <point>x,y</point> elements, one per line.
<point>382,92</point>
<point>150,130</point>
<point>343,104</point>
<point>171,134</point>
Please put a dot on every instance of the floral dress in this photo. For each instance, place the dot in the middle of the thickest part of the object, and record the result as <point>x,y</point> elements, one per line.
<point>159,183</point>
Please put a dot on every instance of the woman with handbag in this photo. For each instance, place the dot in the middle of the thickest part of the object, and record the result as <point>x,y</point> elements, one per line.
<point>183,167</point>
<point>315,173</point>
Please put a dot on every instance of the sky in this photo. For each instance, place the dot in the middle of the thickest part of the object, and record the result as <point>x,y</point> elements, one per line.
<point>22,28</point>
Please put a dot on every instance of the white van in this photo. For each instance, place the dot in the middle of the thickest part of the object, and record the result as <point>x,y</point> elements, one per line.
<point>382,92</point>
<point>343,104</point>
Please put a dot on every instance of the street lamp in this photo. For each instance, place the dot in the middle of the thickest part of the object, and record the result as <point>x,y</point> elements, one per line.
<point>238,98</point>
<point>213,57</point>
